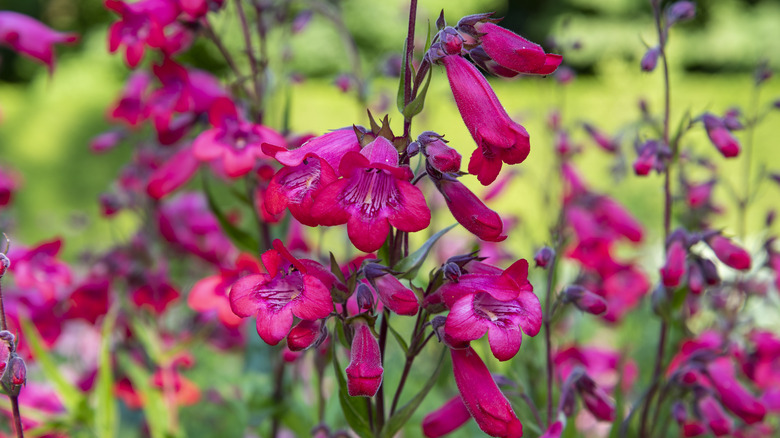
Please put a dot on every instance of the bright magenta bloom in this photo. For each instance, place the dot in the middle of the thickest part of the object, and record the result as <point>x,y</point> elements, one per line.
<point>732,394</point>
<point>373,194</point>
<point>173,173</point>
<point>331,147</point>
<point>729,253</point>
<point>295,187</point>
<point>447,418</point>
<point>30,37</point>
<point>142,24</point>
<point>499,139</point>
<point>674,268</point>
<point>440,156</point>
<point>291,288</point>
<point>490,409</point>
<point>364,372</point>
<point>236,142</point>
<point>469,210</point>
<point>514,52</point>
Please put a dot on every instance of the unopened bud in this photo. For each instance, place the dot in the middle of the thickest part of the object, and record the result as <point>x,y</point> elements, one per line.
<point>650,59</point>
<point>5,263</point>
<point>463,259</point>
<point>365,297</point>
<point>440,156</point>
<point>710,272</point>
<point>413,149</point>
<point>441,23</point>
<point>763,73</point>
<point>660,300</point>
<point>451,272</point>
<point>585,300</point>
<point>680,11</point>
<point>7,337</point>
<point>303,335</point>
<point>373,271</point>
<point>18,370</point>
<point>544,256</point>
<point>731,120</point>
<point>451,41</point>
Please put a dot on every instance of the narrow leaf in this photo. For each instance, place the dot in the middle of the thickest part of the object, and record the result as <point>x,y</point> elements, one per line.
<point>398,338</point>
<point>411,264</point>
<point>70,395</point>
<point>402,416</point>
<point>106,413</point>
<point>240,238</point>
<point>416,105</point>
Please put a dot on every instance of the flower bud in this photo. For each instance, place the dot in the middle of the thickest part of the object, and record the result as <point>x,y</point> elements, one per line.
<point>437,325</point>
<point>596,400</point>
<point>720,136</point>
<point>5,263</point>
<point>364,372</point>
<point>731,120</point>
<point>674,268</point>
<point>470,212</point>
<point>696,281</point>
<point>710,272</point>
<point>680,11</point>
<point>365,297</point>
<point>585,300</point>
<point>7,336</point>
<point>729,253</point>
<point>303,335</point>
<point>413,149</point>
<point>451,41</point>
<point>647,158</point>
<point>650,59</point>
<point>544,256</point>
<point>451,272</point>
<point>18,370</point>
<point>440,156</point>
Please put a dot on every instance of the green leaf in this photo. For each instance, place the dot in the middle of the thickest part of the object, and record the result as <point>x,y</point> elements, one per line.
<point>336,269</point>
<point>71,396</point>
<point>155,409</point>
<point>240,238</point>
<point>411,264</point>
<point>398,338</point>
<point>106,413</point>
<point>416,105</point>
<point>355,409</point>
<point>402,416</point>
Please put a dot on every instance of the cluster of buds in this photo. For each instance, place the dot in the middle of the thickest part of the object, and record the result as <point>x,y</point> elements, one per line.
<point>12,367</point>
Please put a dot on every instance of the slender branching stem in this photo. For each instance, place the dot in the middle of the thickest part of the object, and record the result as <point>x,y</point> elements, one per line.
<point>408,56</point>
<point>250,53</point>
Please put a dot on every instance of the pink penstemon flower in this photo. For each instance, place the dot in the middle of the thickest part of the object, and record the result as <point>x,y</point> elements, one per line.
<point>446,419</point>
<point>373,194</point>
<point>32,38</point>
<point>290,288</point>
<point>364,372</point>
<point>233,140</point>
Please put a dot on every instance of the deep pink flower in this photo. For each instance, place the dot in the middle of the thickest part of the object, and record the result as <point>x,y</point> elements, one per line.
<point>544,256</point>
<point>373,194</point>
<point>295,187</point>
<point>498,138</point>
<point>503,285</point>
<point>446,419</point>
<point>289,289</point>
<point>106,141</point>
<point>172,174</point>
<point>603,365</point>
<point>729,253</point>
<point>514,52</point>
<point>210,294</point>
<point>364,372</point>
<point>142,24</point>
<point>155,293</point>
<point>394,295</point>
<point>595,399</point>
<point>674,268</point>
<point>469,210</point>
<point>717,420</point>
<point>699,195</point>
<point>585,300</point>
<point>236,142</point>
<point>9,182</point>
<point>554,431</point>
<point>441,157</point>
<point>331,147</point>
<point>720,136</point>
<point>732,394</point>
<point>39,269</point>
<point>303,335</point>
<point>198,8</point>
<point>89,301</point>
<point>32,38</point>
<point>623,290</point>
<point>479,392</point>
<point>131,105</point>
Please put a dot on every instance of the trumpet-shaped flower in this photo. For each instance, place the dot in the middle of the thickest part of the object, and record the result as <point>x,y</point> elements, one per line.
<point>32,38</point>
<point>364,372</point>
<point>373,194</point>
<point>291,288</point>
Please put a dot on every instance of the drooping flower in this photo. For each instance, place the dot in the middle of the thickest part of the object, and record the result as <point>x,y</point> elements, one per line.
<point>236,142</point>
<point>446,419</point>
<point>373,194</point>
<point>481,396</point>
<point>720,136</point>
<point>499,139</point>
<point>732,394</point>
<point>172,174</point>
<point>393,295</point>
<point>469,210</point>
<point>290,288</point>
<point>729,253</point>
<point>32,38</point>
<point>440,156</point>
<point>142,24</point>
<point>514,52</point>
<point>674,268</point>
<point>364,372</point>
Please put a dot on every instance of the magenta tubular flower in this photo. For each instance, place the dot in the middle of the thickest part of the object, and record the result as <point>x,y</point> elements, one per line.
<point>303,335</point>
<point>364,372</point>
<point>32,38</point>
<point>469,210</point>
<point>717,420</point>
<point>395,296</point>
<point>473,315</point>
<point>234,141</point>
<point>89,300</point>
<point>373,194</point>
<point>554,431</point>
<point>514,52</point>
<point>674,268</point>
<point>172,174</point>
<point>504,285</point>
<point>499,139</point>
<point>484,401</point>
<point>287,290</point>
<point>210,294</point>
<point>699,195</point>
<point>585,300</point>
<point>729,253</point>
<point>720,136</point>
<point>331,147</point>
<point>295,187</point>
<point>131,105</point>
<point>446,419</point>
<point>38,269</point>
<point>733,396</point>
<point>142,24</point>
<point>595,399</point>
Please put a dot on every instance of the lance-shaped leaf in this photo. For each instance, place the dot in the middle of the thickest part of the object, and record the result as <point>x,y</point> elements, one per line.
<point>410,265</point>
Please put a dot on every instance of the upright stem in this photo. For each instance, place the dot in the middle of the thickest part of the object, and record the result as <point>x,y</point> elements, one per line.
<point>547,338</point>
<point>408,55</point>
<point>13,391</point>
<point>667,220</point>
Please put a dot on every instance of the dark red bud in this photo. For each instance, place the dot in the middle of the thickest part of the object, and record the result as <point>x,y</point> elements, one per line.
<point>365,297</point>
<point>451,272</point>
<point>5,263</point>
<point>544,256</point>
<point>18,370</point>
